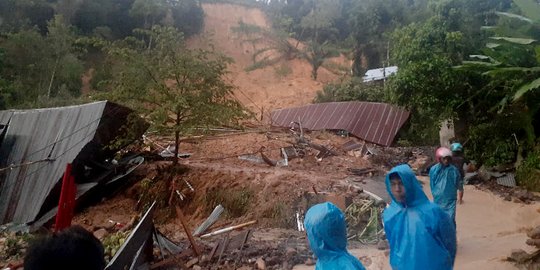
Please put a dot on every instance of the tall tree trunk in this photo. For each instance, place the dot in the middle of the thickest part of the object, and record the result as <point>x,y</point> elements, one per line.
<point>176,140</point>
<point>52,77</point>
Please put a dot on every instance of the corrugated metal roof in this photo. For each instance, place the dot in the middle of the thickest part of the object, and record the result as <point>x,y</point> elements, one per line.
<point>379,73</point>
<point>373,122</point>
<point>37,135</point>
<point>508,180</point>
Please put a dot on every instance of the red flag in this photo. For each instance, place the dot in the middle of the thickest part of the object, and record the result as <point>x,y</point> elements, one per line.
<point>66,204</point>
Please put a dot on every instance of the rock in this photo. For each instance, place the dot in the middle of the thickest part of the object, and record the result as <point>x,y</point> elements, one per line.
<point>508,198</point>
<point>484,174</point>
<point>261,265</point>
<point>289,252</point>
<point>192,262</point>
<point>273,260</point>
<point>523,195</point>
<point>382,245</point>
<point>109,226</point>
<point>101,233</point>
<point>196,267</point>
<point>518,255</point>
<point>309,262</point>
<point>533,242</point>
<point>517,200</point>
<point>535,233</point>
<point>286,266</point>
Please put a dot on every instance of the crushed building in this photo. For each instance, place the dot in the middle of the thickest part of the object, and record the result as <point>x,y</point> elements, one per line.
<point>377,123</point>
<point>37,144</point>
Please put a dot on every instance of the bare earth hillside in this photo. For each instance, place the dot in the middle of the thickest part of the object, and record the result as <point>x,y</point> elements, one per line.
<point>260,89</point>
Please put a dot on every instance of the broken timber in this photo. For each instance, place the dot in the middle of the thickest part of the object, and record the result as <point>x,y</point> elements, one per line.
<point>180,215</point>
<point>228,229</point>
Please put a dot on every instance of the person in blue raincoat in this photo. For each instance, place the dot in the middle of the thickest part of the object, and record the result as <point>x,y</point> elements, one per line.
<point>446,183</point>
<point>421,235</point>
<point>327,235</point>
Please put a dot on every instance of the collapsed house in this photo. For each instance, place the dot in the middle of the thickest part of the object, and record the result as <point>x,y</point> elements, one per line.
<point>36,145</point>
<point>377,123</point>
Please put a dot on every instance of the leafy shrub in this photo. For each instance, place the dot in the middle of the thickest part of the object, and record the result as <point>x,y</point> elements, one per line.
<point>528,173</point>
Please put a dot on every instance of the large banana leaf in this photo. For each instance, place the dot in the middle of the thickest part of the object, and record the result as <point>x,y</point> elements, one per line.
<point>514,16</point>
<point>522,41</point>
<point>511,69</point>
<point>530,8</point>
<point>526,88</point>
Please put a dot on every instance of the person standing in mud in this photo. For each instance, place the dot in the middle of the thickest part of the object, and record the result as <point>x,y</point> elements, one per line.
<point>421,235</point>
<point>446,183</point>
<point>327,234</point>
<point>458,159</point>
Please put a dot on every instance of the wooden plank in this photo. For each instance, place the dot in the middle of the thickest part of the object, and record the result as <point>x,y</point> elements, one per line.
<point>180,215</point>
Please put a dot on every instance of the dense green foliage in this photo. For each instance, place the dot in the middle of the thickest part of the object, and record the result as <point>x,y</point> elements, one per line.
<point>43,55</point>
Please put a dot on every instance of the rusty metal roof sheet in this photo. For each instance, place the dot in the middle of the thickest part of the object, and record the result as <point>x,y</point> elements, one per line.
<point>373,122</point>
<point>46,140</point>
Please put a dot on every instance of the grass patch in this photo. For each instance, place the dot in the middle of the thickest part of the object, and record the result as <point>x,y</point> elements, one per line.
<point>282,71</point>
<point>280,215</point>
<point>235,202</point>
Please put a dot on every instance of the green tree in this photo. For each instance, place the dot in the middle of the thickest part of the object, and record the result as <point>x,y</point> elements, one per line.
<point>41,67</point>
<point>150,11</point>
<point>317,53</point>
<point>319,26</point>
<point>61,41</point>
<point>426,82</point>
<point>351,89</point>
<point>505,96</point>
<point>175,88</point>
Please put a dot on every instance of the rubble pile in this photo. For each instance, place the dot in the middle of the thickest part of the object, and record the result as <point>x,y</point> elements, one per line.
<point>252,255</point>
<point>525,260</point>
<point>13,248</point>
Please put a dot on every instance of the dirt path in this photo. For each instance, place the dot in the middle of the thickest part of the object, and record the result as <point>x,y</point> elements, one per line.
<point>488,229</point>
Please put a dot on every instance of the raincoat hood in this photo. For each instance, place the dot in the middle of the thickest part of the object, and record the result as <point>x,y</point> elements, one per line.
<point>327,235</point>
<point>421,235</point>
<point>414,195</point>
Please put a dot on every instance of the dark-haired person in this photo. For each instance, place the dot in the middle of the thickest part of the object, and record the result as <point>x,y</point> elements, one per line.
<point>71,249</point>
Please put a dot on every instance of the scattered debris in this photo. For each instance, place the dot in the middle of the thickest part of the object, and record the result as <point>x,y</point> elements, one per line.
<point>169,153</point>
<point>251,158</point>
<point>364,221</point>
<point>351,145</point>
<point>364,171</point>
<point>503,183</point>
<point>507,180</point>
<point>300,221</point>
<point>139,238</point>
<point>13,247</point>
<point>180,216</point>
<point>528,260</point>
<point>228,229</point>
<point>214,216</point>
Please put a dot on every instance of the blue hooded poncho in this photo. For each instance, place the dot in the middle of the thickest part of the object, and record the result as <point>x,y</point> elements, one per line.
<point>421,235</point>
<point>327,235</point>
<point>445,181</point>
